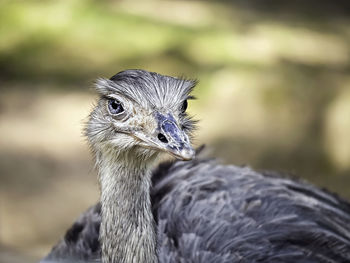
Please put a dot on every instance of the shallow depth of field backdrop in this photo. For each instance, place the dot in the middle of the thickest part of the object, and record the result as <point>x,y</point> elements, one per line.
<point>274,93</point>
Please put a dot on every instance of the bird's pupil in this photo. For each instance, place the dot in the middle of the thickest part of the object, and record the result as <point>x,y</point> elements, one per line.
<point>184,106</point>
<point>115,106</point>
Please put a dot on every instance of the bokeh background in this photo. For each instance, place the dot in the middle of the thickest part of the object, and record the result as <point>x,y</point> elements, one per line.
<point>274,93</point>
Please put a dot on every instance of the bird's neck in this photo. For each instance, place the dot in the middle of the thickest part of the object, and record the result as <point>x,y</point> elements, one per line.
<point>127,232</point>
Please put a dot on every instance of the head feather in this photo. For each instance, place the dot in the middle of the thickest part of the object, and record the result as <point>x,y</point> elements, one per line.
<point>148,89</point>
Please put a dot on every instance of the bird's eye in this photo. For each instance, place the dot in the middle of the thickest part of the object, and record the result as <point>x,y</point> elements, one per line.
<point>184,106</point>
<point>115,107</point>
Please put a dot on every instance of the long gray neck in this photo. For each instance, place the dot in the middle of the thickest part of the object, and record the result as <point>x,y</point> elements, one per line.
<point>127,232</point>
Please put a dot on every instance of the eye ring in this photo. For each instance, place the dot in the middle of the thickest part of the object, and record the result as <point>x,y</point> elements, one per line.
<point>114,106</point>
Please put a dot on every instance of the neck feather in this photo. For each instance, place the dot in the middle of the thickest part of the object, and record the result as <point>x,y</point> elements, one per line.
<point>127,233</point>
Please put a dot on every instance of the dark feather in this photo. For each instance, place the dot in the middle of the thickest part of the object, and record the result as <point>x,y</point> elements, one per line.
<point>207,212</point>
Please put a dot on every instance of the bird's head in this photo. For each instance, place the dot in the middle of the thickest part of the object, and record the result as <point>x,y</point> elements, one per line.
<point>143,113</point>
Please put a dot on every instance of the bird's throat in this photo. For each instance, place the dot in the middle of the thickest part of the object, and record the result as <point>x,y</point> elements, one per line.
<point>127,233</point>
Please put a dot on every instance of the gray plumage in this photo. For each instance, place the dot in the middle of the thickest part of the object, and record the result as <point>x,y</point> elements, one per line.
<point>194,211</point>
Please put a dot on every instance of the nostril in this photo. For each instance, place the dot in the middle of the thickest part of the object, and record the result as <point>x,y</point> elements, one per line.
<point>162,138</point>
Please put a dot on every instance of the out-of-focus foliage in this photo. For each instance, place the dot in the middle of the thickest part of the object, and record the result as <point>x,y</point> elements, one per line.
<point>274,93</point>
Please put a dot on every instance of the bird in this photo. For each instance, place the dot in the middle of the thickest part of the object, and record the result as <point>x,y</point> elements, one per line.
<point>191,208</point>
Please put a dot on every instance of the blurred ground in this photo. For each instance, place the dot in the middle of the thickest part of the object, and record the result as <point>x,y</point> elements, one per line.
<point>274,93</point>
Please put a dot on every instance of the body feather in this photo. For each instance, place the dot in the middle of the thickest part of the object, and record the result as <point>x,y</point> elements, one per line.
<point>206,212</point>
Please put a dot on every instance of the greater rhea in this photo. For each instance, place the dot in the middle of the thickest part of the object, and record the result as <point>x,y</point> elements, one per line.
<point>189,211</point>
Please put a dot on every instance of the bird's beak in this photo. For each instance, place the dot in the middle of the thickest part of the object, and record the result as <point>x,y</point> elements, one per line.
<point>172,139</point>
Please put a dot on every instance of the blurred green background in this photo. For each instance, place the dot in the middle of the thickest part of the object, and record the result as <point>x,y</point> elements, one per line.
<point>274,93</point>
